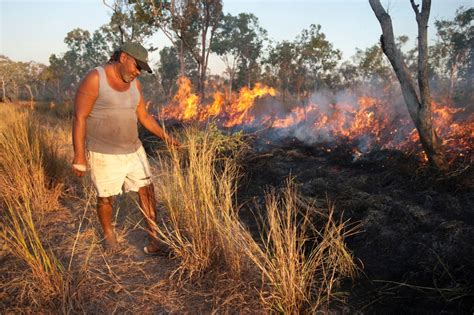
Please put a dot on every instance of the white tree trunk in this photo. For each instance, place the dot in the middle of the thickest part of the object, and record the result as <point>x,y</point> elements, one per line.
<point>418,102</point>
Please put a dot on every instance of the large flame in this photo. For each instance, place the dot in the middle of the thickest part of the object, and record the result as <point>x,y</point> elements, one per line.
<point>185,103</point>
<point>370,122</point>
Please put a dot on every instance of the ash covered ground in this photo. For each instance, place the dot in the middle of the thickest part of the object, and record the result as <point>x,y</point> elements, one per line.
<point>416,242</point>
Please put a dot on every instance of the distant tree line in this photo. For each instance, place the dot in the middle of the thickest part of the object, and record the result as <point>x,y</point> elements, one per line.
<point>197,29</point>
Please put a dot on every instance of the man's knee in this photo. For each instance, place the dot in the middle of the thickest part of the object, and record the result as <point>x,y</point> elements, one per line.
<point>104,201</point>
<point>148,189</point>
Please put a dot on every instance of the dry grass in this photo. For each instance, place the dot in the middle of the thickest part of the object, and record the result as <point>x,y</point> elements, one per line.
<point>30,167</point>
<point>22,240</point>
<point>301,264</point>
<point>295,266</point>
<point>197,188</point>
<point>30,183</point>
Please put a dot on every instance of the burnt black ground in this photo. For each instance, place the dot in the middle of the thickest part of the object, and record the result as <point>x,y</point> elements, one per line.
<point>416,243</point>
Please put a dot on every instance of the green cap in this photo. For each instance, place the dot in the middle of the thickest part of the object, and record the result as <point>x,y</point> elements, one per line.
<point>138,52</point>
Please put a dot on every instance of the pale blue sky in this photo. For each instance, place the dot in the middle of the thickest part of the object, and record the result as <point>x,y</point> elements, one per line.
<point>35,29</point>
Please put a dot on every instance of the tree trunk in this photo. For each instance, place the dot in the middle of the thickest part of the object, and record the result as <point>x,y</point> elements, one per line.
<point>32,99</point>
<point>453,77</point>
<point>202,73</point>
<point>419,105</point>
<point>181,59</point>
<point>15,91</point>
<point>58,92</point>
<point>36,93</point>
<point>4,98</point>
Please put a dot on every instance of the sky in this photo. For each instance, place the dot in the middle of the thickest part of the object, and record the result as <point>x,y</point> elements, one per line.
<point>32,30</point>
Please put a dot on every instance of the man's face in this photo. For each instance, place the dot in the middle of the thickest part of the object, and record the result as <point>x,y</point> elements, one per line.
<point>129,70</point>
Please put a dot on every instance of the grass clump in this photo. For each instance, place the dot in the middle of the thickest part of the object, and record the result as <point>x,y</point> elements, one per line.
<point>301,256</point>
<point>31,173</point>
<point>22,240</point>
<point>197,188</point>
<point>30,166</point>
<point>300,263</point>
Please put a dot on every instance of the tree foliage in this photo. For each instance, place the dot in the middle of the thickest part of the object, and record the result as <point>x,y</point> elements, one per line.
<point>452,56</point>
<point>306,64</point>
<point>19,80</point>
<point>239,42</point>
<point>189,24</point>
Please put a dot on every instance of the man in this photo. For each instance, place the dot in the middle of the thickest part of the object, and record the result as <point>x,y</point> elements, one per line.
<point>108,104</point>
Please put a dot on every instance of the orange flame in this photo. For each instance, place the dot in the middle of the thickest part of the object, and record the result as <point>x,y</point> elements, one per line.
<point>370,121</point>
<point>184,105</point>
<point>238,111</point>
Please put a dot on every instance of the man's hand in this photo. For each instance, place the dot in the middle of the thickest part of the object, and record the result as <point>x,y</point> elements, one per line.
<point>79,169</point>
<point>173,142</point>
<point>79,165</point>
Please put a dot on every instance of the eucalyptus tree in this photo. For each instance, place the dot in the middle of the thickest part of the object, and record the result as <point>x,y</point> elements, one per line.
<point>6,73</point>
<point>126,23</point>
<point>168,69</point>
<point>372,66</point>
<point>453,52</point>
<point>189,24</point>
<point>84,53</point>
<point>306,64</point>
<point>239,42</point>
<point>318,58</point>
<point>417,96</point>
<point>281,61</point>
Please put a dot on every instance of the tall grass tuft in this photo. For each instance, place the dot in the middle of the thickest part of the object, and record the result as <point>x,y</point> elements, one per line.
<point>30,167</point>
<point>31,173</point>
<point>21,237</point>
<point>300,263</point>
<point>197,188</point>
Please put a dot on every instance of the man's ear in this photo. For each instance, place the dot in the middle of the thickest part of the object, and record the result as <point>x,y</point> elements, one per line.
<point>122,57</point>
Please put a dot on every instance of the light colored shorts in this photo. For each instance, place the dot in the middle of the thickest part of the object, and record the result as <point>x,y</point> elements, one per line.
<point>114,173</point>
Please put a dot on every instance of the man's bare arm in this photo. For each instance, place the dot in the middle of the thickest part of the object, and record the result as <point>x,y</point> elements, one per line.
<point>150,123</point>
<point>86,96</point>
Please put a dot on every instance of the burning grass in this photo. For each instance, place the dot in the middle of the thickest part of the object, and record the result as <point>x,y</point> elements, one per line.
<point>369,122</point>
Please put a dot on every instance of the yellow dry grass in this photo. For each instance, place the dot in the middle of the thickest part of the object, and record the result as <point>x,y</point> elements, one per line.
<point>22,239</point>
<point>301,263</point>
<point>30,167</point>
<point>197,188</point>
<point>30,183</point>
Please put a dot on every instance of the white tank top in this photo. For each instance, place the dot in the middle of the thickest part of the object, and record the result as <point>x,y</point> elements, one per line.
<point>112,125</point>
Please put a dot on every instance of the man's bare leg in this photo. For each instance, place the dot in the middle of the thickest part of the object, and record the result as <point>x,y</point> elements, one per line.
<point>104,211</point>
<point>146,196</point>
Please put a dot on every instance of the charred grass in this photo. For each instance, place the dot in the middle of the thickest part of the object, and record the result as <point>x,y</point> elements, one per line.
<point>417,225</point>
